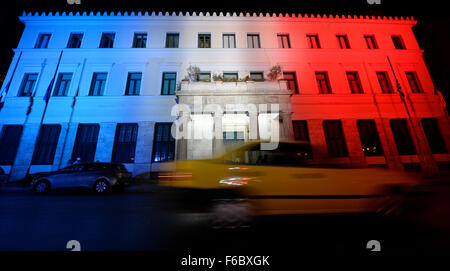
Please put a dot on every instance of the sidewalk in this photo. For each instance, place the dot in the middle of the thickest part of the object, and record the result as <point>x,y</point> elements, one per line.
<point>14,187</point>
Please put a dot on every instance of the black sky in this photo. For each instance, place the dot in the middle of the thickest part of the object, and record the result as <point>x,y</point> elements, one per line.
<point>432,30</point>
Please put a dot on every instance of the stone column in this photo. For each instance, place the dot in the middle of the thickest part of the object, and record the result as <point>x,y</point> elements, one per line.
<point>353,143</point>
<point>388,144</point>
<point>253,126</point>
<point>182,141</point>
<point>25,151</point>
<point>105,142</point>
<point>218,146</point>
<point>63,155</point>
<point>198,146</point>
<point>427,162</point>
<point>287,130</point>
<point>144,147</point>
<point>317,136</point>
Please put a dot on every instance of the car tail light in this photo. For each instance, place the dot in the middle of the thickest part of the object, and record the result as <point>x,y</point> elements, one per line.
<point>119,173</point>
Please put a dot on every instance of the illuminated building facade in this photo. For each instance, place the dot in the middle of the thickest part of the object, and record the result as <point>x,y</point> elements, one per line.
<point>113,79</point>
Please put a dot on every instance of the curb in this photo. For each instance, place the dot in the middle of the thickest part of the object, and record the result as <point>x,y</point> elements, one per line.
<point>134,188</point>
<point>13,188</point>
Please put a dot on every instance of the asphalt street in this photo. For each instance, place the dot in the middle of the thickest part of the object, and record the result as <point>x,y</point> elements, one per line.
<point>140,221</point>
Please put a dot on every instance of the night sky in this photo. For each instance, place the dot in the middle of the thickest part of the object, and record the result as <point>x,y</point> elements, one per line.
<point>432,30</point>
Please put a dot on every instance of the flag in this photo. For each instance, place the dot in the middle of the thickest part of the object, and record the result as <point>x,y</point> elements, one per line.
<point>49,90</point>
<point>3,94</point>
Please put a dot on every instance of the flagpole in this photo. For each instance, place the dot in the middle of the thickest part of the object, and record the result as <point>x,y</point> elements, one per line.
<point>420,153</point>
<point>4,101</point>
<point>9,82</point>
<point>48,92</point>
<point>71,115</point>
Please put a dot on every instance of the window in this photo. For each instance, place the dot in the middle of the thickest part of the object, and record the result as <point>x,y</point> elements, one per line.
<point>402,138</point>
<point>323,83</point>
<point>75,40</point>
<point>334,138</point>
<point>133,83</point>
<point>291,81</point>
<point>229,41</point>
<point>253,41</point>
<point>163,143</point>
<point>301,133</point>
<point>85,142</point>
<point>343,41</point>
<point>42,41</point>
<point>370,42</point>
<point>62,84</point>
<point>413,82</point>
<point>412,167</point>
<point>44,151</point>
<point>354,82</point>
<point>140,40</point>
<point>286,154</point>
<point>398,42</point>
<point>230,76</point>
<point>172,40</point>
<point>204,40</point>
<point>74,168</point>
<point>204,76</point>
<point>283,41</point>
<point>257,76</point>
<point>98,83</point>
<point>369,137</point>
<point>9,143</point>
<point>168,83</point>
<point>443,166</point>
<point>300,130</point>
<point>433,135</point>
<point>28,82</point>
<point>231,137</point>
<point>125,143</point>
<point>385,83</point>
<point>107,40</point>
<point>313,41</point>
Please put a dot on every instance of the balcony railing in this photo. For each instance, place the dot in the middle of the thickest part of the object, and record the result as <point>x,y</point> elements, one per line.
<point>250,87</point>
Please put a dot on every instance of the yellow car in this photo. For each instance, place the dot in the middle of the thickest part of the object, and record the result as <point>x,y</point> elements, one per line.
<point>248,181</point>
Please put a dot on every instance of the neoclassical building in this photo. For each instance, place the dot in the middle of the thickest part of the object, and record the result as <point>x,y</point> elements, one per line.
<point>102,87</point>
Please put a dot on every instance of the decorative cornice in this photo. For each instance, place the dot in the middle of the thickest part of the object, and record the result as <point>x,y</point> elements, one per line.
<point>286,16</point>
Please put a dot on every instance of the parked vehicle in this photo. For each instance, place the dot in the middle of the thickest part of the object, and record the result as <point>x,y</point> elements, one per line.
<point>249,181</point>
<point>98,177</point>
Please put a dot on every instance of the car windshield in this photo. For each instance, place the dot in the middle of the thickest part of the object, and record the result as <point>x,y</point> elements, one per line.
<point>94,167</point>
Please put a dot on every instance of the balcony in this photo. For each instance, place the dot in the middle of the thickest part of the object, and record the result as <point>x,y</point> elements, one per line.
<point>234,88</point>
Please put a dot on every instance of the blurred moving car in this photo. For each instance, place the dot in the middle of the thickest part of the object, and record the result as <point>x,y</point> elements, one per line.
<point>99,177</point>
<point>248,181</point>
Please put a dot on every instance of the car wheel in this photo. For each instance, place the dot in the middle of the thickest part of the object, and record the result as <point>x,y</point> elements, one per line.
<point>101,187</point>
<point>230,213</point>
<point>42,187</point>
